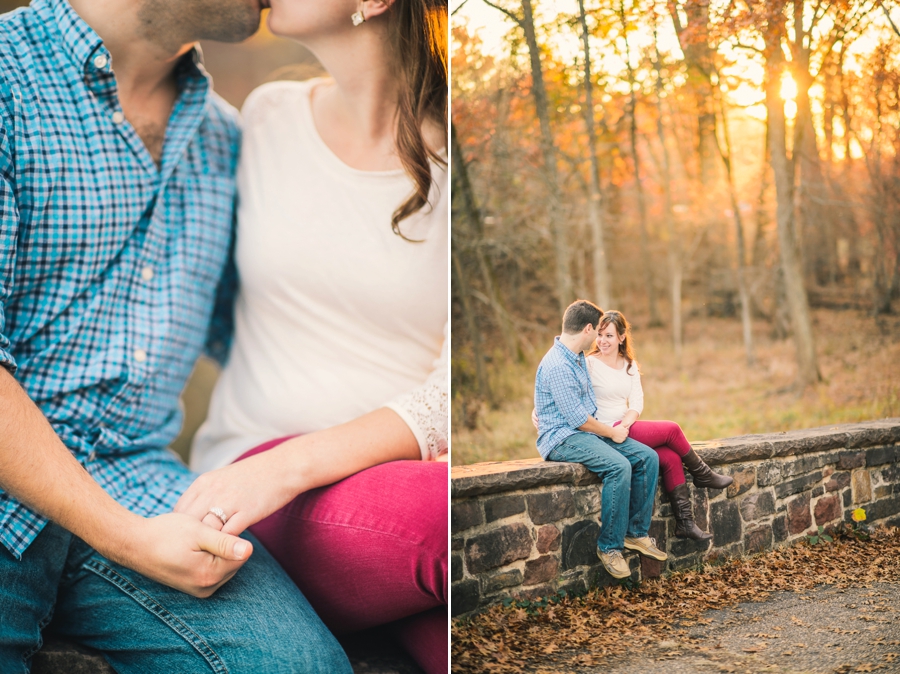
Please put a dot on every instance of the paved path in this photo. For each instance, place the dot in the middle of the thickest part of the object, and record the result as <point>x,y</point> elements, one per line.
<point>837,631</point>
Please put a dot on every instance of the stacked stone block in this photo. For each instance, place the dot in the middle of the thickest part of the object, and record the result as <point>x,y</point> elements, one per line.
<point>529,528</point>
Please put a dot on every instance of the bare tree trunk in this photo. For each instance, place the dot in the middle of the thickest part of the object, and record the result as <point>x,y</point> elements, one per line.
<point>881,287</point>
<point>475,235</point>
<point>725,154</point>
<point>564,288</point>
<point>759,241</point>
<point>635,160</point>
<point>820,248</point>
<point>693,38</point>
<point>462,287</point>
<point>758,249</point>
<point>548,147</point>
<point>602,289</point>
<point>676,270</point>
<point>782,167</point>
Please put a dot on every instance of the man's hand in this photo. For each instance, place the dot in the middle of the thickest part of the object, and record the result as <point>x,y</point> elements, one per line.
<point>180,552</point>
<point>39,470</point>
<point>534,420</point>
<point>615,433</point>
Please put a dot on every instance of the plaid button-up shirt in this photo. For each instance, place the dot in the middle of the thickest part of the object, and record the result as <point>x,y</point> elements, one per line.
<point>563,396</point>
<point>109,264</point>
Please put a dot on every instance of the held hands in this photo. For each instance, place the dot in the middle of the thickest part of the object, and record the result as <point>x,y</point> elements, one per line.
<point>178,551</point>
<point>619,433</point>
<point>246,492</point>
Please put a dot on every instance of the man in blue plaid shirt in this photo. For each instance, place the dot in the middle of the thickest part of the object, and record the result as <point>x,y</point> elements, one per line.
<point>565,406</point>
<point>116,207</point>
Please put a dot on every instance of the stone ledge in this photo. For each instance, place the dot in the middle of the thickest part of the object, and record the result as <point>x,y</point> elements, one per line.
<point>524,529</point>
<point>501,476</point>
<point>62,657</point>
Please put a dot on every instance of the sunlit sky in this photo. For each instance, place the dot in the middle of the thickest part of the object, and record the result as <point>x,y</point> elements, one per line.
<point>493,26</point>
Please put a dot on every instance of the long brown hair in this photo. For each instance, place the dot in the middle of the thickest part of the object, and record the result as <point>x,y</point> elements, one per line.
<point>623,327</point>
<point>418,35</point>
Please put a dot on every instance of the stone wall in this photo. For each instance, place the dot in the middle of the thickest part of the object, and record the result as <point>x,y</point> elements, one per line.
<point>529,528</point>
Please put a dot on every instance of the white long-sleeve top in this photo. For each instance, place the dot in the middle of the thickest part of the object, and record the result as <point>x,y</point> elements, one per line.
<point>616,391</point>
<point>336,315</point>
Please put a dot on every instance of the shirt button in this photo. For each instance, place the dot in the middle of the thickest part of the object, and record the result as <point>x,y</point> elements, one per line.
<point>140,355</point>
<point>92,456</point>
<point>147,273</point>
<point>118,117</point>
<point>101,61</point>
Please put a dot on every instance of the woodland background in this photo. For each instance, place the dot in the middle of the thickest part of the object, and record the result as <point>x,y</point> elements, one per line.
<point>726,173</point>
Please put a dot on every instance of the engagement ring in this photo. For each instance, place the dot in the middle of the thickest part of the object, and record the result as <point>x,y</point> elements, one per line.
<point>218,512</point>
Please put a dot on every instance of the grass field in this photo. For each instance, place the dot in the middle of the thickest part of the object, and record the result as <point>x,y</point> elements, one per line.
<point>714,394</point>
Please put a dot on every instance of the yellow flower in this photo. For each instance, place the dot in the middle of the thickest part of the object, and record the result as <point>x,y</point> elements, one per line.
<point>859,515</point>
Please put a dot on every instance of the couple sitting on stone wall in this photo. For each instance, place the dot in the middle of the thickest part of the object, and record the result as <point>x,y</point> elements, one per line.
<point>586,411</point>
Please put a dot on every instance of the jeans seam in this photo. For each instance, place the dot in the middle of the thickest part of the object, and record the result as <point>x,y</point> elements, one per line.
<point>150,604</point>
<point>40,640</point>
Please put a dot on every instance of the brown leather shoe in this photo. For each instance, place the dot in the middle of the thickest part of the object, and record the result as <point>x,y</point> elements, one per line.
<point>680,498</point>
<point>703,474</point>
<point>614,563</point>
<point>645,546</point>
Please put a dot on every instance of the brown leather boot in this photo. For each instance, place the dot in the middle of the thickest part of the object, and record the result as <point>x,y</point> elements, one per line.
<point>680,498</point>
<point>703,474</point>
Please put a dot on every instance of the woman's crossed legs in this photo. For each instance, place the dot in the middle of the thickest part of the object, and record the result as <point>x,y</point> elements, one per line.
<point>667,438</point>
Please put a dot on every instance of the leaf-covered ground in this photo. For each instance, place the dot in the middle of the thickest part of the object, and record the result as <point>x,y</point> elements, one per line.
<point>581,633</point>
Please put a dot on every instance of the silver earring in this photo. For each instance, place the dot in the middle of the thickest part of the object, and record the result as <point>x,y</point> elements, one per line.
<point>357,18</point>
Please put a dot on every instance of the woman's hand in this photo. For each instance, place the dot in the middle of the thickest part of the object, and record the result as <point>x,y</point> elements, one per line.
<point>252,489</point>
<point>247,491</point>
<point>534,420</point>
<point>630,417</point>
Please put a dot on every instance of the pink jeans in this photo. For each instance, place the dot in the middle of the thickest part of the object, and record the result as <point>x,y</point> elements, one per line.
<point>371,550</point>
<point>667,438</point>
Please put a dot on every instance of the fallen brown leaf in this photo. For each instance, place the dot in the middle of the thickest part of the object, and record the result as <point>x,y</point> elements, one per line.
<point>755,649</point>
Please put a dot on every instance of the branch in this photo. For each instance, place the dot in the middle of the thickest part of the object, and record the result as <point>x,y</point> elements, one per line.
<point>459,7</point>
<point>676,19</point>
<point>505,11</point>
<point>815,19</point>
<point>888,15</point>
<point>848,23</point>
<point>749,47</point>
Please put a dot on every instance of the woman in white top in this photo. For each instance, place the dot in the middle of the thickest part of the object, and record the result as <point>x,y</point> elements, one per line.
<point>335,394</point>
<point>616,380</point>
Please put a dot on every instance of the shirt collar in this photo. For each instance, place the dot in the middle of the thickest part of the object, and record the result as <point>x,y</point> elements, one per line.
<point>79,40</point>
<point>576,358</point>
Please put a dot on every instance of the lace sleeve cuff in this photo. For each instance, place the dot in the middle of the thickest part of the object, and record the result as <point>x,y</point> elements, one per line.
<point>424,409</point>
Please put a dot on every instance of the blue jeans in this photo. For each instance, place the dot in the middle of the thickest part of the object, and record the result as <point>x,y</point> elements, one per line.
<point>257,622</point>
<point>629,471</point>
